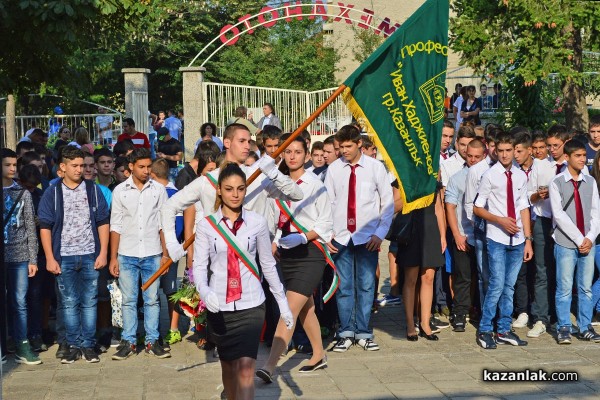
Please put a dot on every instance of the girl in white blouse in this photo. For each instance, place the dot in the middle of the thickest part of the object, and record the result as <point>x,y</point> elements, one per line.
<point>228,243</point>
<point>304,227</point>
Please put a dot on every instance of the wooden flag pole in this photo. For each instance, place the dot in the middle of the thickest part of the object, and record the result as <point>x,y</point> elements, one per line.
<point>188,242</point>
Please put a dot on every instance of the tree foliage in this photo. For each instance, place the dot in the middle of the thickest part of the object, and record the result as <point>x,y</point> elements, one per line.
<point>527,40</point>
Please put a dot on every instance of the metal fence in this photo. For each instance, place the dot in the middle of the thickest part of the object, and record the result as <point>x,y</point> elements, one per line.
<point>53,123</point>
<point>291,106</point>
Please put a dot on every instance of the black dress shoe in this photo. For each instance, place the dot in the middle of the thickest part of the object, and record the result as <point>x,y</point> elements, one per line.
<point>319,365</point>
<point>264,375</point>
<point>412,338</point>
<point>433,336</point>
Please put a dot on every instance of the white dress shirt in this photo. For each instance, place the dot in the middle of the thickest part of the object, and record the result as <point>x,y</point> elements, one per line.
<point>542,173</point>
<point>201,190</point>
<point>450,166</point>
<point>473,178</point>
<point>135,215</point>
<point>210,249</point>
<point>562,219</point>
<point>492,192</point>
<point>313,212</point>
<point>374,200</point>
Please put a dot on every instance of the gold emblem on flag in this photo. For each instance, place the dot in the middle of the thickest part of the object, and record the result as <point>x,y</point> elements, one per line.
<point>433,93</point>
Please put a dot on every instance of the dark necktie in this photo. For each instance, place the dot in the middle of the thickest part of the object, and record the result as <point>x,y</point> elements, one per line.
<point>234,280</point>
<point>578,208</point>
<point>284,223</point>
<point>558,168</point>
<point>510,199</point>
<point>352,199</point>
<point>444,155</point>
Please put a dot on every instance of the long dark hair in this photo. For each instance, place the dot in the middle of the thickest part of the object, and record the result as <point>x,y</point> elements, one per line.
<point>227,171</point>
<point>283,166</point>
<point>207,152</point>
<point>596,169</point>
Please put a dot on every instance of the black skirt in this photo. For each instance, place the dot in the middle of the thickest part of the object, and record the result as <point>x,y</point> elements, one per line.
<point>302,268</point>
<point>236,333</point>
<point>424,249</point>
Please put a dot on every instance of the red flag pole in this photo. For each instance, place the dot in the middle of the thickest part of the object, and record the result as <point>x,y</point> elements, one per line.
<point>188,242</point>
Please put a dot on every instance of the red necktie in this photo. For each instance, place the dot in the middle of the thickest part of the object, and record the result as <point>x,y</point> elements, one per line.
<point>558,168</point>
<point>578,208</point>
<point>510,199</point>
<point>234,280</point>
<point>352,199</point>
<point>284,223</point>
<point>444,155</point>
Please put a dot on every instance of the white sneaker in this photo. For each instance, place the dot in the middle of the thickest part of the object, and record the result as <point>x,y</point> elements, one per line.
<point>521,321</point>
<point>343,344</point>
<point>367,344</point>
<point>537,330</point>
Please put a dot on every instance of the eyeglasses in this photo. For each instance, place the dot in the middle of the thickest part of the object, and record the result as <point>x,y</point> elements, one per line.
<point>555,146</point>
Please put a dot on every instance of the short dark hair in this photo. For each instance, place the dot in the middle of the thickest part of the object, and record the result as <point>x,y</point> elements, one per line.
<point>121,148</point>
<point>306,135</point>
<point>207,152</point>
<point>70,153</point>
<point>102,152</point>
<point>27,158</point>
<point>594,120</point>
<point>465,132</point>
<point>231,128</point>
<point>559,132</point>
<point>367,142</point>
<point>505,138</point>
<point>5,152</point>
<point>448,124</point>
<point>40,149</point>
<point>572,146</point>
<point>476,143</point>
<point>30,175</point>
<point>129,121</point>
<point>329,140</point>
<point>348,133</point>
<point>271,132</point>
<point>122,161</point>
<point>139,154</point>
<point>24,146</point>
<point>271,107</point>
<point>316,146</point>
<point>38,132</point>
<point>538,136</point>
<point>523,138</point>
<point>492,134</point>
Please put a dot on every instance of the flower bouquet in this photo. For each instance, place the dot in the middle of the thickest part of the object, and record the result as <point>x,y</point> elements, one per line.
<point>189,302</point>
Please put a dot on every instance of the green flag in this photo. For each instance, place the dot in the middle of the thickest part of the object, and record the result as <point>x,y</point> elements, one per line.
<point>398,93</point>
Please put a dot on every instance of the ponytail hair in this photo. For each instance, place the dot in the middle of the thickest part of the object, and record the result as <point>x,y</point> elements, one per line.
<point>227,171</point>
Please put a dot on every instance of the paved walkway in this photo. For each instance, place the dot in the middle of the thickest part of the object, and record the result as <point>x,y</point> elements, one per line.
<point>449,368</point>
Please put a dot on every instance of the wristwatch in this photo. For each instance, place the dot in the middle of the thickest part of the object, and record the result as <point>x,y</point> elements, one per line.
<point>530,238</point>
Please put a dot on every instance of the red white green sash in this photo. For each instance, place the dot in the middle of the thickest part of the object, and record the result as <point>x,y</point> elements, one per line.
<point>212,180</point>
<point>233,243</point>
<point>283,208</point>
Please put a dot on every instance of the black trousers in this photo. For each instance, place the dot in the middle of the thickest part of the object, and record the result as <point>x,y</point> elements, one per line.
<point>465,267</point>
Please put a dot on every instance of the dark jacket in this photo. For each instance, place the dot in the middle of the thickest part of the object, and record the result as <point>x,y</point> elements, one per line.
<point>51,214</point>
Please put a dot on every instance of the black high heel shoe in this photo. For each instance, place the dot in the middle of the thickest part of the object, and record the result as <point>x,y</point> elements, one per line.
<point>412,338</point>
<point>432,336</point>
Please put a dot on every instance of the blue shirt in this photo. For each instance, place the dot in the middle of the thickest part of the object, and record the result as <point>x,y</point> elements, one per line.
<point>455,194</point>
<point>173,124</point>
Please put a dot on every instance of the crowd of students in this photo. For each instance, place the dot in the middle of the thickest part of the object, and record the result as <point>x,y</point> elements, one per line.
<point>511,230</point>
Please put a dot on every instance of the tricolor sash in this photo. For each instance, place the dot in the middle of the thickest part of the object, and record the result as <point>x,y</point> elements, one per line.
<point>212,180</point>
<point>233,243</point>
<point>283,208</point>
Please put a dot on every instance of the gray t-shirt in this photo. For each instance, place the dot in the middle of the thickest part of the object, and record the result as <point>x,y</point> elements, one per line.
<point>76,237</point>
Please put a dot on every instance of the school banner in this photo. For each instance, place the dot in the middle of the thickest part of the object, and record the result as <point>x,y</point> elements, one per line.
<point>398,95</point>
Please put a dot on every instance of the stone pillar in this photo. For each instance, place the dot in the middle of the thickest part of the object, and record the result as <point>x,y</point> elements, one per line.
<point>136,80</point>
<point>11,123</point>
<point>192,106</point>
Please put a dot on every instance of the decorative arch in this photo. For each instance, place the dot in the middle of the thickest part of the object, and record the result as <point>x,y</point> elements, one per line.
<point>268,16</point>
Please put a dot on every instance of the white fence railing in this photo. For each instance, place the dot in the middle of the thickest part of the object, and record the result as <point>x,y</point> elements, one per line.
<point>52,124</point>
<point>291,106</point>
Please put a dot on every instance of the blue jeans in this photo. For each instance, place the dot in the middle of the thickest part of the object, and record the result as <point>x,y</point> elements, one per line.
<point>17,284</point>
<point>356,267</point>
<point>566,261</point>
<point>543,307</point>
<point>483,269</point>
<point>131,269</point>
<point>504,262</point>
<point>596,285</point>
<point>78,289</point>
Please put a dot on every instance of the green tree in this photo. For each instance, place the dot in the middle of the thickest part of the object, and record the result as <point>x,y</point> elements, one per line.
<point>527,40</point>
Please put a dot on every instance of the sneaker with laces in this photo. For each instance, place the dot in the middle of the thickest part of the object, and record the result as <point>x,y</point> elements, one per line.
<point>72,355</point>
<point>510,338</point>
<point>521,321</point>
<point>124,350</point>
<point>157,350</point>
<point>590,335</point>
<point>564,335</point>
<point>367,344</point>
<point>63,349</point>
<point>538,328</point>
<point>342,345</point>
<point>486,340</point>
<point>90,355</point>
<point>37,344</point>
<point>173,337</point>
<point>459,323</point>
<point>24,355</point>
<point>389,300</point>
<point>438,323</point>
